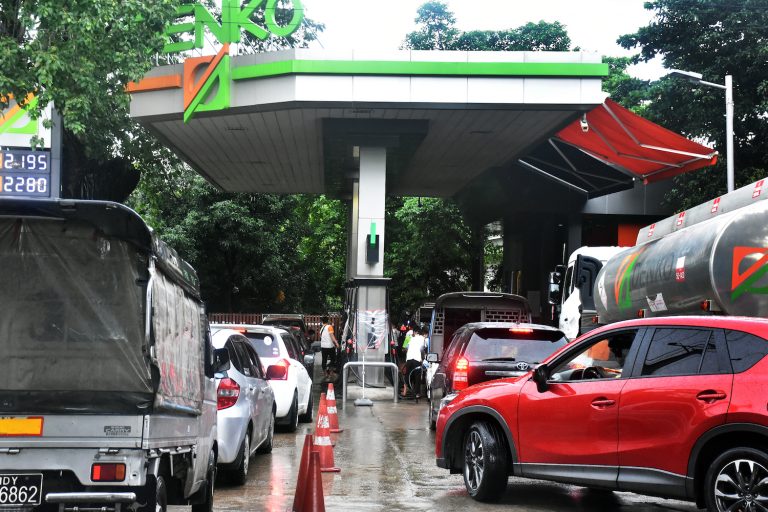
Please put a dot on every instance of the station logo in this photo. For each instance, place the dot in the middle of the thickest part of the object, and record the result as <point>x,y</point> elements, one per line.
<point>206,81</point>
<point>622,285</point>
<point>15,119</point>
<point>746,281</point>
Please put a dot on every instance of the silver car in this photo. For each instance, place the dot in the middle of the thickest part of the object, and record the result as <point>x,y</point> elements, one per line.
<point>246,406</point>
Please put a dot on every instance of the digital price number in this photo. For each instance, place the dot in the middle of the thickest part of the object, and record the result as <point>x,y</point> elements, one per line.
<point>25,173</point>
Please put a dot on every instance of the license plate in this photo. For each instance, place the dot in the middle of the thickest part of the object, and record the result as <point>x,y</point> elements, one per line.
<point>18,427</point>
<point>20,489</point>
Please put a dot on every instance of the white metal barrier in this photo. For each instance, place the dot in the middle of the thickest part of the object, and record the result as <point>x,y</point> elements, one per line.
<point>379,364</point>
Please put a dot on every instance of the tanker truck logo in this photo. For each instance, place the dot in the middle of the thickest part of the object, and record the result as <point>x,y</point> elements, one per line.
<point>622,288</point>
<point>746,281</point>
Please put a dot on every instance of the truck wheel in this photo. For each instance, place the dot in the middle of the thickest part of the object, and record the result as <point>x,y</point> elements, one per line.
<point>734,479</point>
<point>266,446</point>
<point>485,463</point>
<point>240,474</point>
<point>210,478</point>
<point>161,495</point>
<point>432,419</point>
<point>307,416</point>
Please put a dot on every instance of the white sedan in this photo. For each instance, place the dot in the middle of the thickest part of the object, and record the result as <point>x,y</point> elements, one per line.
<point>293,387</point>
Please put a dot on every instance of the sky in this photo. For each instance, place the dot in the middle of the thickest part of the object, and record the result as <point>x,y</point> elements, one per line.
<point>593,25</point>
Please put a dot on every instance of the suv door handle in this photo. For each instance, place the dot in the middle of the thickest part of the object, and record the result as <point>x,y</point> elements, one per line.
<point>602,403</point>
<point>711,396</point>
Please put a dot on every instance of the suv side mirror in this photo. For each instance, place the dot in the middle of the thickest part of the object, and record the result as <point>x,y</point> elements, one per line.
<point>540,377</point>
<point>220,360</point>
<point>433,358</point>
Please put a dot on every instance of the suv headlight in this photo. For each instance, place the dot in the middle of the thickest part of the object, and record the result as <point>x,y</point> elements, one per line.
<point>450,397</point>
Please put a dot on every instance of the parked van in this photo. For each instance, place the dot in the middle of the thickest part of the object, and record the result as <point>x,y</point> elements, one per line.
<point>453,310</point>
<point>107,394</point>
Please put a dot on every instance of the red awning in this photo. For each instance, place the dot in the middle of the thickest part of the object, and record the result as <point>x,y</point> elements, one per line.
<point>628,142</point>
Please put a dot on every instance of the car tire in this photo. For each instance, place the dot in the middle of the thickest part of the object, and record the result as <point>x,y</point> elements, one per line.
<point>239,475</point>
<point>266,446</point>
<point>293,415</point>
<point>485,463</point>
<point>307,416</point>
<point>206,505</point>
<point>729,482</point>
<point>432,418</point>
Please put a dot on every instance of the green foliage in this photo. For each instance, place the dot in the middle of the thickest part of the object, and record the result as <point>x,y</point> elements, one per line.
<point>437,31</point>
<point>626,90</point>
<point>426,253</point>
<point>80,56</point>
<point>253,252</point>
<point>715,38</point>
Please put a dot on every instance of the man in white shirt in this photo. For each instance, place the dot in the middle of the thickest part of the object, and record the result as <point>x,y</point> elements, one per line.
<point>328,346</point>
<point>413,359</point>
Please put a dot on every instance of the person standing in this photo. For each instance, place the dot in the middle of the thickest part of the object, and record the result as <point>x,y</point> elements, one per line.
<point>413,358</point>
<point>328,346</point>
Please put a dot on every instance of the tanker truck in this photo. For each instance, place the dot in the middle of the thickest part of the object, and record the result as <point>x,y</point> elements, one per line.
<point>710,259</point>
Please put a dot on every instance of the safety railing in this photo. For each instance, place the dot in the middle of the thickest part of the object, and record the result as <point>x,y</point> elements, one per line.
<point>376,364</point>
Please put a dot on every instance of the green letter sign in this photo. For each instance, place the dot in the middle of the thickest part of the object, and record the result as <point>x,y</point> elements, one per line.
<point>235,17</point>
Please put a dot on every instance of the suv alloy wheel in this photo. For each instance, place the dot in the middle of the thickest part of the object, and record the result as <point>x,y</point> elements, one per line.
<point>735,481</point>
<point>485,463</point>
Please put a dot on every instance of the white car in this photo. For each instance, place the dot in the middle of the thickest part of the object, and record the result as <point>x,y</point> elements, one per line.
<point>293,390</point>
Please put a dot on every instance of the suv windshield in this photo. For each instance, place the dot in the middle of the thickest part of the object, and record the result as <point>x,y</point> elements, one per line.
<point>508,345</point>
<point>265,344</point>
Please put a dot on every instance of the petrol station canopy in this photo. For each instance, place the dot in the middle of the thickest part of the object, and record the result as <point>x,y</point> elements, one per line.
<point>293,121</point>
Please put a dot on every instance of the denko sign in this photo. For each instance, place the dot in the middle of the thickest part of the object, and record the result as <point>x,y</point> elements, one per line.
<point>236,17</point>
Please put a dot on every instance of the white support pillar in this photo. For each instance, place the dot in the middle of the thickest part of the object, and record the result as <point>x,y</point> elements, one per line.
<point>369,206</point>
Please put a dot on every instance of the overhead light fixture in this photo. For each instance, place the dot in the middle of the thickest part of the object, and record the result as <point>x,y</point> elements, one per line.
<point>584,124</point>
<point>355,151</point>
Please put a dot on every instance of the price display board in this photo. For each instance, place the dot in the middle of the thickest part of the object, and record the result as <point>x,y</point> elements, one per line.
<point>25,173</point>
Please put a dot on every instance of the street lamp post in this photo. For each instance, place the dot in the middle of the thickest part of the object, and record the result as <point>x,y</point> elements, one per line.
<point>728,88</point>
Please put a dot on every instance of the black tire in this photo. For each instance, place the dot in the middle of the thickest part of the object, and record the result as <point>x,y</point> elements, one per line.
<point>266,446</point>
<point>239,475</point>
<point>206,505</point>
<point>293,415</point>
<point>432,418</point>
<point>307,416</point>
<point>161,495</point>
<point>485,463</point>
<point>731,481</point>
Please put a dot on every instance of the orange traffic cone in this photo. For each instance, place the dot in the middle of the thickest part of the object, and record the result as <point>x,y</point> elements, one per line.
<point>314,500</point>
<point>333,415</point>
<point>323,406</point>
<point>323,439</point>
<point>304,475</point>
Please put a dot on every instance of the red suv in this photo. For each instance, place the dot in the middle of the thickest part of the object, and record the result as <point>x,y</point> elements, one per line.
<point>672,407</point>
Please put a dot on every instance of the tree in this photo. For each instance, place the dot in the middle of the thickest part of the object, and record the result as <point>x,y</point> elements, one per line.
<point>80,56</point>
<point>427,252</point>
<point>438,31</point>
<point>715,38</point>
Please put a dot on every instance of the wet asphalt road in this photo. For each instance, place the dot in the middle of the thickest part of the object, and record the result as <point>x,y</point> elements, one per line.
<point>386,453</point>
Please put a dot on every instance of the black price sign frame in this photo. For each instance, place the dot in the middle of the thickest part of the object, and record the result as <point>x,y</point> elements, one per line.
<point>25,173</point>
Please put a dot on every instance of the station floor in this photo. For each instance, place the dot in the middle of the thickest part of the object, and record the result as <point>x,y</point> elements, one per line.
<point>386,456</point>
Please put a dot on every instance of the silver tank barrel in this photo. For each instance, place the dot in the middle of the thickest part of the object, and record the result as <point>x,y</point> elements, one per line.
<point>724,259</point>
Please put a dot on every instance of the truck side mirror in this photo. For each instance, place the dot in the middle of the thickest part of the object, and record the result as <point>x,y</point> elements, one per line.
<point>554,293</point>
<point>220,360</point>
<point>540,377</point>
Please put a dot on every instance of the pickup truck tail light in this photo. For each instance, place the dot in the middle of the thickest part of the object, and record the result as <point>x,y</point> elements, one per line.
<point>227,394</point>
<point>107,472</point>
<point>461,374</point>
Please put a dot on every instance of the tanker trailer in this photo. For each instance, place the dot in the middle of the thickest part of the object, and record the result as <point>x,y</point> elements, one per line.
<point>717,265</point>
